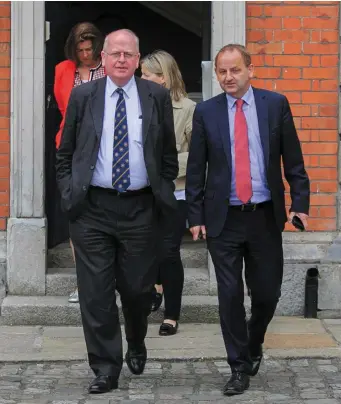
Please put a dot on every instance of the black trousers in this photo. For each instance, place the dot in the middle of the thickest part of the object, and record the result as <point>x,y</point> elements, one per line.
<point>115,248</point>
<point>171,270</point>
<point>255,238</point>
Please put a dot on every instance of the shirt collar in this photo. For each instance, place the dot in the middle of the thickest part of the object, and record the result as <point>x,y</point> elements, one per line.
<point>248,98</point>
<point>112,87</point>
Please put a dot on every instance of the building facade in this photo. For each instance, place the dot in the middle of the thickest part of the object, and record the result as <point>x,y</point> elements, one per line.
<point>296,50</point>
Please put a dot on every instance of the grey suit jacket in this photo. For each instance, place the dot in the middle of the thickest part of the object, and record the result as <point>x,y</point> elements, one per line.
<point>78,151</point>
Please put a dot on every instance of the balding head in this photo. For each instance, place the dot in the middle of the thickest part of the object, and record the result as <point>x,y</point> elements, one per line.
<point>121,34</point>
<point>120,56</point>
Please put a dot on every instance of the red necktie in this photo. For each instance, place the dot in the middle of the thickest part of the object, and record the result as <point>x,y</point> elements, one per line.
<point>242,155</point>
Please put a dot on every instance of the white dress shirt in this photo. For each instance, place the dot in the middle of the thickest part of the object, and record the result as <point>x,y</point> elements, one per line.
<point>103,171</point>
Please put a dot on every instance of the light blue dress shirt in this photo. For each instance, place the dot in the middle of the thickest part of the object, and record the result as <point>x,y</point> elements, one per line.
<point>103,171</point>
<point>260,190</point>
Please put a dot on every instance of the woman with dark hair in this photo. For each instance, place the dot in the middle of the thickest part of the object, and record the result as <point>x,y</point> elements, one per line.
<point>83,63</point>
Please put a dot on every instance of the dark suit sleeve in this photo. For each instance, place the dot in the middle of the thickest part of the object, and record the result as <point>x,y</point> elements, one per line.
<point>66,149</point>
<point>170,166</point>
<point>196,172</point>
<point>293,163</point>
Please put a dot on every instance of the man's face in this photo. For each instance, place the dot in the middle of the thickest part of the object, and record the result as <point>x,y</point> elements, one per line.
<point>120,57</point>
<point>233,76</point>
<point>85,53</point>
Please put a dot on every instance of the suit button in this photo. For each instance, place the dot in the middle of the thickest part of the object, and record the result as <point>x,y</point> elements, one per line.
<point>92,167</point>
<point>84,188</point>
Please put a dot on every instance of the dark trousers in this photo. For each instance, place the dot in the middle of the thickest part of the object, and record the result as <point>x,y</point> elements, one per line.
<point>254,237</point>
<point>171,270</point>
<point>115,248</point>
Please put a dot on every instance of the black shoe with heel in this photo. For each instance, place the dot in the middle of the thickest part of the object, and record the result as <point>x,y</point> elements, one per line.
<point>168,329</point>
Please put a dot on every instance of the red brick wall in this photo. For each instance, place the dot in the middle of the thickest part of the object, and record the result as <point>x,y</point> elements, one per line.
<point>5,74</point>
<point>295,48</point>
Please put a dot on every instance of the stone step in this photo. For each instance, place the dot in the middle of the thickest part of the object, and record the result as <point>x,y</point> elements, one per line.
<point>193,255</point>
<point>62,281</point>
<point>55,310</point>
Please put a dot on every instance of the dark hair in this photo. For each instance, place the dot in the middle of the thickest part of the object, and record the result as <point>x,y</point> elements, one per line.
<point>84,31</point>
<point>230,48</point>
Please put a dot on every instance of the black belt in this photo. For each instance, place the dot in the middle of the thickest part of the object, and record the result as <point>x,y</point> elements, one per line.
<point>111,191</point>
<point>250,207</point>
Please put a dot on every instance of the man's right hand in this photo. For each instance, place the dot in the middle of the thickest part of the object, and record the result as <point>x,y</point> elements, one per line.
<point>197,231</point>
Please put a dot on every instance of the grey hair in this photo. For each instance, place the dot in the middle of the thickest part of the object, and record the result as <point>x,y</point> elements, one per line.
<point>128,31</point>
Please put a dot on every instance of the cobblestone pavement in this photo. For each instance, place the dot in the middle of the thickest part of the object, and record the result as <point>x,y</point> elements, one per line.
<point>310,381</point>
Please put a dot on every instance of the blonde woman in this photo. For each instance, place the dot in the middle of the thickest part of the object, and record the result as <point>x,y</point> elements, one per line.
<point>162,68</point>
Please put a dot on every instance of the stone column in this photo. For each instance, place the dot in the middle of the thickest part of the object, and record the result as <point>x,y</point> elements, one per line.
<point>26,230</point>
<point>228,26</point>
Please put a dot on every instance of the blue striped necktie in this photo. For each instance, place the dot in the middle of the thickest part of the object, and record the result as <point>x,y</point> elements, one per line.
<point>120,162</point>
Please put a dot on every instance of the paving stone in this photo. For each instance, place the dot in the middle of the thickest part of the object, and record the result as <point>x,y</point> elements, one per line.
<point>322,401</point>
<point>324,361</point>
<point>327,368</point>
<point>304,381</point>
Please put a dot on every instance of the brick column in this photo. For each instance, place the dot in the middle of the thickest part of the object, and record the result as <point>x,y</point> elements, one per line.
<point>295,48</point>
<point>5,38</point>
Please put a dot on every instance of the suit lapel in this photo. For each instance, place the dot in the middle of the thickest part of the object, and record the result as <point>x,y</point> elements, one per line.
<point>224,126</point>
<point>97,105</point>
<point>146,100</point>
<point>263,122</point>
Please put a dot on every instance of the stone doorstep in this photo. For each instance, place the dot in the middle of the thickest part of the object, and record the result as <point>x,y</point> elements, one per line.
<point>55,310</point>
<point>288,337</point>
<point>62,281</point>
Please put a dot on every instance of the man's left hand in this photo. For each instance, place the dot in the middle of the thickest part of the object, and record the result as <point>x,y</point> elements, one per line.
<point>302,216</point>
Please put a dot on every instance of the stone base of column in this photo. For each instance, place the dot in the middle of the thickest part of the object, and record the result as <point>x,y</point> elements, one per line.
<point>26,256</point>
<point>301,252</point>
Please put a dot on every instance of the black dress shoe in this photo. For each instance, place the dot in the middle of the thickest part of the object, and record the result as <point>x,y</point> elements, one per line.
<point>256,355</point>
<point>168,329</point>
<point>238,383</point>
<point>136,358</point>
<point>103,384</point>
<point>156,300</point>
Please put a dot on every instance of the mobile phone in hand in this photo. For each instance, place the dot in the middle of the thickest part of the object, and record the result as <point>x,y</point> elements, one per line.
<point>297,222</point>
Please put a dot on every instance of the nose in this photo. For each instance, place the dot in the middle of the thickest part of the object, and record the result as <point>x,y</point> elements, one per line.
<point>228,76</point>
<point>122,58</point>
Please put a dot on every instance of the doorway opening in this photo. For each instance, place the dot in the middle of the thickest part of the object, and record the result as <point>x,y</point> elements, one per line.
<point>181,28</point>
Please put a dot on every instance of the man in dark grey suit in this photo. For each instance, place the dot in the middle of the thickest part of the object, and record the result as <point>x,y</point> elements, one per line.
<point>115,170</point>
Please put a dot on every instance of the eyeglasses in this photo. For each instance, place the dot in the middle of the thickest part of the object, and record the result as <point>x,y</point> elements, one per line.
<point>117,55</point>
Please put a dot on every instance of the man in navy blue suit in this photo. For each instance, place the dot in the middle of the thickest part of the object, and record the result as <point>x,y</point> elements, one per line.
<point>235,196</point>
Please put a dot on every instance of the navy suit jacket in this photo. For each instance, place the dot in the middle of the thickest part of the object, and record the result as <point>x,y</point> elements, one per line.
<point>208,180</point>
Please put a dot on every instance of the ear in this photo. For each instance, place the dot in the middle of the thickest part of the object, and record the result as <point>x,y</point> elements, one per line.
<point>103,58</point>
<point>251,69</point>
<point>138,60</point>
